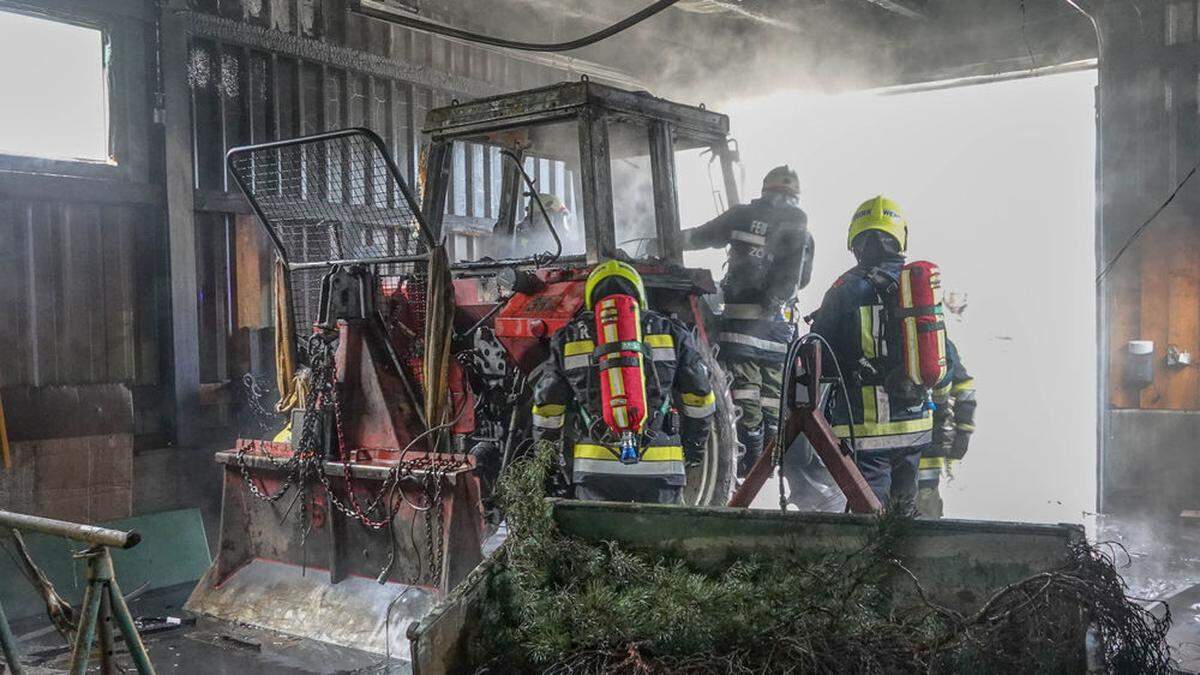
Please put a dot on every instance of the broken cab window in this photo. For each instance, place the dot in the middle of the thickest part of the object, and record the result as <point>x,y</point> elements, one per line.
<point>490,208</point>
<point>634,217</point>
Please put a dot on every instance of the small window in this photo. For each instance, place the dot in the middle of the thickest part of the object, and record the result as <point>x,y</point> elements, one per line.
<point>55,84</point>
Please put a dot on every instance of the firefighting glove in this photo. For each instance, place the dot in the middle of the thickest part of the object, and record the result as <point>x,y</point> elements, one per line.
<point>958,447</point>
<point>693,453</point>
<point>943,429</point>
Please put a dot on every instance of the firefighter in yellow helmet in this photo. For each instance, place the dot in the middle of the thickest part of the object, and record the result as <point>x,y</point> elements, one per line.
<point>642,454</point>
<point>892,421</point>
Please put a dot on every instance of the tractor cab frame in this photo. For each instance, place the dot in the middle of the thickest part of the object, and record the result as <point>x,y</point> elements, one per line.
<point>607,160</point>
<point>608,154</point>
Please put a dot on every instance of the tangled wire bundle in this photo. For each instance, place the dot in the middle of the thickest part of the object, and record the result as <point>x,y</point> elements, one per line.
<point>566,606</point>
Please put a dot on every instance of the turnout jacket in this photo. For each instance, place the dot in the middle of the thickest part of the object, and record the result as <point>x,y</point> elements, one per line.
<point>770,256</point>
<point>854,319</point>
<point>567,403</point>
<point>954,418</point>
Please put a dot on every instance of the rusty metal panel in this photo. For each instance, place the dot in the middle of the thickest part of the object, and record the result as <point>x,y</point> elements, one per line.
<point>440,640</point>
<point>696,126</point>
<point>323,582</point>
<point>507,109</point>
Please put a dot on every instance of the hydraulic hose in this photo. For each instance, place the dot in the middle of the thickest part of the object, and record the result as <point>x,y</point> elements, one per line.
<point>405,19</point>
<point>789,366</point>
<point>788,396</point>
<point>511,156</point>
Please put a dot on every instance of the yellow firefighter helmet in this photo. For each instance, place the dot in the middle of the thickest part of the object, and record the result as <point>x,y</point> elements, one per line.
<point>613,270</point>
<point>879,213</point>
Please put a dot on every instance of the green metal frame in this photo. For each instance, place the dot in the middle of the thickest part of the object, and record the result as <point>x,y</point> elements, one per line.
<point>102,592</point>
<point>8,645</point>
<point>102,598</point>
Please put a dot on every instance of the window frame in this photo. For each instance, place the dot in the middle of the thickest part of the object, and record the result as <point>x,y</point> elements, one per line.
<point>122,59</point>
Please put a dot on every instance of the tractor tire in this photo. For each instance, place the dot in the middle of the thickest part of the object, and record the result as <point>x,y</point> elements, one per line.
<point>711,483</point>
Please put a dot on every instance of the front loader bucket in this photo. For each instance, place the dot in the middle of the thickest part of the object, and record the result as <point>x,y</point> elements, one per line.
<point>960,562</point>
<point>301,567</point>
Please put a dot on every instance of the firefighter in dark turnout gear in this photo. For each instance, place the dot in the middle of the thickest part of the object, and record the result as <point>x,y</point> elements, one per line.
<point>953,424</point>
<point>892,421</point>
<point>569,404</point>
<point>770,257</point>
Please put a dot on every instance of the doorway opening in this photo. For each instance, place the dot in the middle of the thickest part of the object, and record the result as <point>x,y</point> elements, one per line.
<point>998,184</point>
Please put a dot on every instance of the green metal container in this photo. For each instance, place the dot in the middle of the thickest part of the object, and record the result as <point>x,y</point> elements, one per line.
<point>960,563</point>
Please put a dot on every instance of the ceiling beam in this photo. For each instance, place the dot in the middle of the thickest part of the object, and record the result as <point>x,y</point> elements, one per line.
<point>901,7</point>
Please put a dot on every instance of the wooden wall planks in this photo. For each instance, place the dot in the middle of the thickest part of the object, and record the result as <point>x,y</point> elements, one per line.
<point>1158,299</point>
<point>1149,140</point>
<point>241,92</point>
<point>78,290</point>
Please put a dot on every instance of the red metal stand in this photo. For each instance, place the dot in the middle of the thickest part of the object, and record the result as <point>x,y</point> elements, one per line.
<point>806,418</point>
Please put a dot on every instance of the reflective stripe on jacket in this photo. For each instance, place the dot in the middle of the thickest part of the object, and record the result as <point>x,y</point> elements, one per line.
<point>955,414</point>
<point>598,461</point>
<point>852,319</point>
<point>770,254</point>
<point>764,341</point>
<point>567,401</point>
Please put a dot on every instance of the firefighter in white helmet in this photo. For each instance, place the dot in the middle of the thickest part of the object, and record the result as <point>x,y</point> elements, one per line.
<point>770,257</point>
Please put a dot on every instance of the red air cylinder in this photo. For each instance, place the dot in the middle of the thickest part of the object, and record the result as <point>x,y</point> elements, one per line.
<point>618,348</point>
<point>923,332</point>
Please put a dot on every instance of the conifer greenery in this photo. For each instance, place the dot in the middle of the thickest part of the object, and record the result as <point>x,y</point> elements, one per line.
<point>562,605</point>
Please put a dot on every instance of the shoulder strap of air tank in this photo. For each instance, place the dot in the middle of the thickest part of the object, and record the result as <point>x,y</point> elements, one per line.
<point>885,285</point>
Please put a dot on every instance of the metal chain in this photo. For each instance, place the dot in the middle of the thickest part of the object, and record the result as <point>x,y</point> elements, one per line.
<point>430,547</point>
<point>255,394</point>
<point>440,550</point>
<point>306,463</point>
<point>304,453</point>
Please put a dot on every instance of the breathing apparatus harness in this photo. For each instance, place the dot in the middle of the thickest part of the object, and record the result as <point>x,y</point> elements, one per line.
<point>627,430</point>
<point>619,362</point>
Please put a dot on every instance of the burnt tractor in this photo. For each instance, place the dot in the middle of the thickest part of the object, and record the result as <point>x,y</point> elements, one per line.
<point>410,338</point>
<point>606,158</point>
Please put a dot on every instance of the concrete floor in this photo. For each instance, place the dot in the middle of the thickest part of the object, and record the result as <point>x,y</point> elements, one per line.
<point>1160,561</point>
<point>205,647</point>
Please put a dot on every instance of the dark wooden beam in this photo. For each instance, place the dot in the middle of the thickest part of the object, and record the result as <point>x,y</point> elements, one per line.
<point>138,10</point>
<point>181,228</point>
<point>49,187</point>
<point>222,202</point>
<point>230,32</point>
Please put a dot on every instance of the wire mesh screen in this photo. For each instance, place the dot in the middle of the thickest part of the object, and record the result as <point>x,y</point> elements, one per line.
<point>329,198</point>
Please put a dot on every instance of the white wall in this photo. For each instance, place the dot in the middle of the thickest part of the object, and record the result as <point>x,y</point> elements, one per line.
<point>997,182</point>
